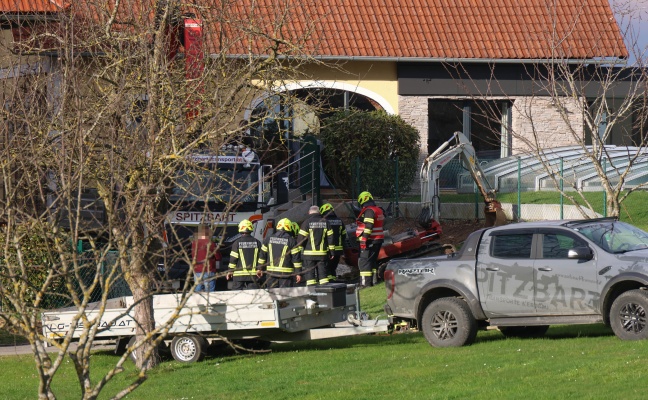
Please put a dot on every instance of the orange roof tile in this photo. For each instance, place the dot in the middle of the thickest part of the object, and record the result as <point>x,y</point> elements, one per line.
<point>32,6</point>
<point>457,29</point>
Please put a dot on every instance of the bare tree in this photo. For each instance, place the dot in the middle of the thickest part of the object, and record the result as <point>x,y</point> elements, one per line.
<point>571,102</point>
<point>93,135</point>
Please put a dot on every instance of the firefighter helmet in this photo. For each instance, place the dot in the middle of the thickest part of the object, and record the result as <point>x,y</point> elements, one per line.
<point>284,224</point>
<point>326,208</point>
<point>364,197</point>
<point>245,226</point>
<point>295,228</point>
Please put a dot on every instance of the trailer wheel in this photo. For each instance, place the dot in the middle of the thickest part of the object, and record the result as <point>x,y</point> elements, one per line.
<point>132,355</point>
<point>628,315</point>
<point>163,349</point>
<point>448,322</point>
<point>188,348</point>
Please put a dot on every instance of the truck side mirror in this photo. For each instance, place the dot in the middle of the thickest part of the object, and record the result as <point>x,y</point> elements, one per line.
<point>580,253</point>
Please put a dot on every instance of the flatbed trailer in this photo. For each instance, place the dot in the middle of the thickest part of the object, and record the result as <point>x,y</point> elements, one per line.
<point>273,315</point>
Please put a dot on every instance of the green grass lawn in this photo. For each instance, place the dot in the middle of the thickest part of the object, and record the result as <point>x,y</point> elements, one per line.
<point>577,362</point>
<point>633,209</point>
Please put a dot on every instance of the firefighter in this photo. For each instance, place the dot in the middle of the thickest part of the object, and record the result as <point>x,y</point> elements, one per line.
<point>294,229</point>
<point>370,235</point>
<point>244,259</point>
<point>339,237</point>
<point>316,237</point>
<point>280,257</point>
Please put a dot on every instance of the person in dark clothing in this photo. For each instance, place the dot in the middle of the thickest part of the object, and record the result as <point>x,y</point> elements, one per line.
<point>244,258</point>
<point>316,238</point>
<point>339,237</point>
<point>370,235</point>
<point>280,258</point>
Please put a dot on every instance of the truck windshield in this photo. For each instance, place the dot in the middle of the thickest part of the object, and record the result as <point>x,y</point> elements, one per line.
<point>223,185</point>
<point>615,237</point>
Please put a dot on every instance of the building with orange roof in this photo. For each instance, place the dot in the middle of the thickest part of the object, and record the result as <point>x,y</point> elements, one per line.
<point>442,65</point>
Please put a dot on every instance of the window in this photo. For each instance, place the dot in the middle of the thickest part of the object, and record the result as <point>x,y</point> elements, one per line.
<point>615,237</point>
<point>485,122</point>
<point>512,246</point>
<point>556,245</point>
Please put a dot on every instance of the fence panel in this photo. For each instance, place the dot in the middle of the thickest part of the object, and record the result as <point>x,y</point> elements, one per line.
<point>387,179</point>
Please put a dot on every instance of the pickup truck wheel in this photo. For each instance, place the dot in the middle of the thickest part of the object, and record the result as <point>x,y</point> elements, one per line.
<point>628,315</point>
<point>188,348</point>
<point>524,331</point>
<point>448,322</point>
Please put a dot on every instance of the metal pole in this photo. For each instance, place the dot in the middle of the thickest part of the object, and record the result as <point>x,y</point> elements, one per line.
<point>519,188</point>
<point>476,201</point>
<point>396,199</point>
<point>604,191</point>
<point>357,180</point>
<point>561,189</point>
<point>316,170</point>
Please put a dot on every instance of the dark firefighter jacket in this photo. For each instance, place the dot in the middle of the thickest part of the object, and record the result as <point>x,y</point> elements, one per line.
<point>244,257</point>
<point>280,255</point>
<point>316,237</point>
<point>339,232</point>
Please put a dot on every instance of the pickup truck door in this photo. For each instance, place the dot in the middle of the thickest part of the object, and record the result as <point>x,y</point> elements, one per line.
<point>505,273</point>
<point>564,286</point>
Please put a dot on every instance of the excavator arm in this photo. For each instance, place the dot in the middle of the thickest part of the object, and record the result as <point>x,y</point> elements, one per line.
<point>457,145</point>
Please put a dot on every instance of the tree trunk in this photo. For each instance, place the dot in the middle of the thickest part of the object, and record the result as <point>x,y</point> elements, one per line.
<point>145,320</point>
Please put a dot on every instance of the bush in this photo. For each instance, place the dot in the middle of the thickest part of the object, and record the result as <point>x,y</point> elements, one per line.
<point>376,138</point>
<point>37,255</point>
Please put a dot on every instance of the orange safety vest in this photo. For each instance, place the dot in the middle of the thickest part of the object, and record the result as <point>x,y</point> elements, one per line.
<point>377,232</point>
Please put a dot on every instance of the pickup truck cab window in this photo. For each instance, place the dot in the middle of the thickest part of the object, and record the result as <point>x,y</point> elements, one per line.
<point>512,245</point>
<point>557,245</point>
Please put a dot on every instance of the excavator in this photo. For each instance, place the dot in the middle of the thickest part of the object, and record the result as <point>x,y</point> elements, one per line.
<point>417,242</point>
<point>430,200</point>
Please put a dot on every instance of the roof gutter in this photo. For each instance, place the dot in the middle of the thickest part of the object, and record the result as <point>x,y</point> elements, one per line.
<point>31,17</point>
<point>598,61</point>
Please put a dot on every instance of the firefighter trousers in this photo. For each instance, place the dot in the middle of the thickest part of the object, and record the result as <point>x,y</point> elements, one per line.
<point>280,282</point>
<point>244,284</point>
<point>315,270</point>
<point>368,262</point>
<point>331,267</point>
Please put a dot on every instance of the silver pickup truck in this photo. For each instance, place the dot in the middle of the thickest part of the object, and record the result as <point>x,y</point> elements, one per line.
<point>524,277</point>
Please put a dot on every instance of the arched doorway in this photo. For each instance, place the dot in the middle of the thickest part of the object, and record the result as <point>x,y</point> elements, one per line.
<point>279,123</point>
<point>277,119</point>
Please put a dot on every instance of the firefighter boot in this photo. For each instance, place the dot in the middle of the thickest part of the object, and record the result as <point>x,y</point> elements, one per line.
<point>366,281</point>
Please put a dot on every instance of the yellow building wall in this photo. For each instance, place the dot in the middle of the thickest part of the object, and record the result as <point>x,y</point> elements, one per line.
<point>376,80</point>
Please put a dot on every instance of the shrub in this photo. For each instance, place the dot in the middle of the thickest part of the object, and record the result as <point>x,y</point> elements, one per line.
<point>36,253</point>
<point>376,138</point>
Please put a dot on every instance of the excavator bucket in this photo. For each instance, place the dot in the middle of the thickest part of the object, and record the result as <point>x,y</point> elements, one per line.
<point>494,214</point>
